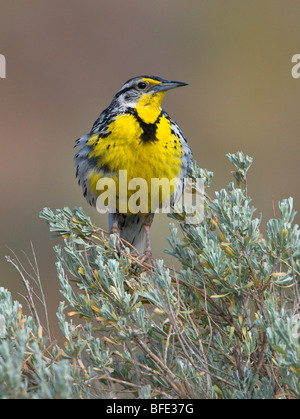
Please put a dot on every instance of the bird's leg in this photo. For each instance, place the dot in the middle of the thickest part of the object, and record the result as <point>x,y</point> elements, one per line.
<point>148,251</point>
<point>147,224</point>
<point>115,230</point>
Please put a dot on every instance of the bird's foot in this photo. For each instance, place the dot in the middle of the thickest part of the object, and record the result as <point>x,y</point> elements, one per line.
<point>146,256</point>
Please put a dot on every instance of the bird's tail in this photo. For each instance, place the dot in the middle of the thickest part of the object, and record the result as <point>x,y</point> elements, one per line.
<point>131,229</point>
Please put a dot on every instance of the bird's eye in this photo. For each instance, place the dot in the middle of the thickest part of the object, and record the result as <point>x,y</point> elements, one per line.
<point>142,85</point>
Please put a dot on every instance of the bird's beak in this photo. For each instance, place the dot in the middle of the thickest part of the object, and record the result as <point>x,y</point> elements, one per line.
<point>168,84</point>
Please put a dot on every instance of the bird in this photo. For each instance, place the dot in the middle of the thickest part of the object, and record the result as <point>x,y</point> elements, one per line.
<point>135,136</point>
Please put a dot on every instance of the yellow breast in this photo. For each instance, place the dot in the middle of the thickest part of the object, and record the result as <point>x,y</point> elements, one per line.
<point>124,149</point>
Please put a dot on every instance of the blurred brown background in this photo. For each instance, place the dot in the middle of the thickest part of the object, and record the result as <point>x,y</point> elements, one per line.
<point>65,61</point>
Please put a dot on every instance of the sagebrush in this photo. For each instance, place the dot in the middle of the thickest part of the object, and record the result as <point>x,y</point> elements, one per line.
<point>225,324</point>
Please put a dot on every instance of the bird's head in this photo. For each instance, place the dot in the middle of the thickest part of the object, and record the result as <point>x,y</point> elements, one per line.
<point>144,94</point>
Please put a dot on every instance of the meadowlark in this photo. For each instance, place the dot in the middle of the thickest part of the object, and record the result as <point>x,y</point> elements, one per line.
<point>134,135</point>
